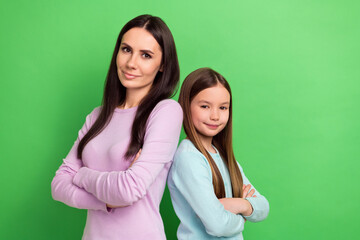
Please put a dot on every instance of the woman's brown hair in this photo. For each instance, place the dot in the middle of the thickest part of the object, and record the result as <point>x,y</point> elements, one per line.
<point>194,83</point>
<point>164,85</point>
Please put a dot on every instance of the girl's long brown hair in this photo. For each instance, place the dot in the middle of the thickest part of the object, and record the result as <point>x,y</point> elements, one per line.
<point>195,82</point>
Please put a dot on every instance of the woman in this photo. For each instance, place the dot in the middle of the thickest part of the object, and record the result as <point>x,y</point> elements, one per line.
<point>105,171</point>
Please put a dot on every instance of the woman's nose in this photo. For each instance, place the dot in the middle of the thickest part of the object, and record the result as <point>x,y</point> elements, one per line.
<point>131,63</point>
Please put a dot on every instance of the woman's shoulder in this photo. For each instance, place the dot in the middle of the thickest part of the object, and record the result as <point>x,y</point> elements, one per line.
<point>169,108</point>
<point>167,104</point>
<point>96,111</point>
<point>93,115</point>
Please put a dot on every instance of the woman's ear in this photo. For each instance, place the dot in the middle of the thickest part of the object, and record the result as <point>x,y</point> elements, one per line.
<point>161,68</point>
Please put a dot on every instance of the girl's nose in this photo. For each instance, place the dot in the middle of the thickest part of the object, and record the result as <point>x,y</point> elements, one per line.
<point>214,115</point>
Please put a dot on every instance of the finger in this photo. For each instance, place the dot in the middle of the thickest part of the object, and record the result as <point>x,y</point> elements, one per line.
<point>251,193</point>
<point>248,187</point>
<point>246,190</point>
<point>137,155</point>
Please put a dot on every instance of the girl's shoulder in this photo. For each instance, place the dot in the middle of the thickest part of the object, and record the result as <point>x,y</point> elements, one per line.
<point>187,153</point>
<point>187,146</point>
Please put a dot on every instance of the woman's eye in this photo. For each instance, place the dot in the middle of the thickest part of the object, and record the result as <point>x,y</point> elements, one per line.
<point>126,49</point>
<point>145,55</point>
<point>204,106</point>
<point>223,108</point>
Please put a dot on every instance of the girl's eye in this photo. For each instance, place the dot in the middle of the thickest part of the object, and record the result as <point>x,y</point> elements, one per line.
<point>204,106</point>
<point>223,108</point>
<point>126,49</point>
<point>145,55</point>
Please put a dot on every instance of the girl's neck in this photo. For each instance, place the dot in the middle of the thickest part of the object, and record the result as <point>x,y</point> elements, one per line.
<point>207,143</point>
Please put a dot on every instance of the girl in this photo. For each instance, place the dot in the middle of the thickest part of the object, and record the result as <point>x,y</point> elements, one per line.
<point>101,173</point>
<point>209,191</point>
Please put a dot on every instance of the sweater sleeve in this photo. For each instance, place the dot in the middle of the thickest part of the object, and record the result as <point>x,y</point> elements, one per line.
<point>62,187</point>
<point>191,176</point>
<point>259,203</point>
<point>123,188</point>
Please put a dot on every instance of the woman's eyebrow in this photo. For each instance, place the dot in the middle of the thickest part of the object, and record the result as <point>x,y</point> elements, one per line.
<point>147,51</point>
<point>127,45</point>
<point>142,50</point>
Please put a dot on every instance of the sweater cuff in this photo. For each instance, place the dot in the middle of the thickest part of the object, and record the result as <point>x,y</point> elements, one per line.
<point>252,203</point>
<point>77,180</point>
<point>260,209</point>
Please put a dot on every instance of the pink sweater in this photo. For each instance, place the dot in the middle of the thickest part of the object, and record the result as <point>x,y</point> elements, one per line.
<point>103,175</point>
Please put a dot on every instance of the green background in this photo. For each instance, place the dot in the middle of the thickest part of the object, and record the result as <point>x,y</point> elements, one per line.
<point>294,71</point>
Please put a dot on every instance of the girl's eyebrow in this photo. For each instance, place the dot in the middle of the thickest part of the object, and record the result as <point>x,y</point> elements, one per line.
<point>204,101</point>
<point>143,50</point>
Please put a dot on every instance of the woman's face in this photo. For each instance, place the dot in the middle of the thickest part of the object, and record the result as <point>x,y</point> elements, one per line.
<point>210,110</point>
<point>138,60</point>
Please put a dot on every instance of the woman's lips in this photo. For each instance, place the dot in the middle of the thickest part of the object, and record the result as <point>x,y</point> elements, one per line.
<point>130,76</point>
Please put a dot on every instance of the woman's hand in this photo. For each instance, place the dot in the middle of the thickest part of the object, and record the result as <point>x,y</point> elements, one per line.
<point>112,206</point>
<point>136,157</point>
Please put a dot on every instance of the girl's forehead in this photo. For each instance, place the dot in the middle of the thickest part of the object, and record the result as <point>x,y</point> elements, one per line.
<point>216,94</point>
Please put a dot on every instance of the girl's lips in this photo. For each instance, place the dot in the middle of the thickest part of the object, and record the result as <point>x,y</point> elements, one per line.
<point>211,126</point>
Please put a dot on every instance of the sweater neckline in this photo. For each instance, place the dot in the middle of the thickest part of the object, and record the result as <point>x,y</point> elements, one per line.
<point>128,110</point>
<point>217,154</point>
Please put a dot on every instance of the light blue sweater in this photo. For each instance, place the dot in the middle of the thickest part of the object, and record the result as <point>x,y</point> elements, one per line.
<point>201,214</point>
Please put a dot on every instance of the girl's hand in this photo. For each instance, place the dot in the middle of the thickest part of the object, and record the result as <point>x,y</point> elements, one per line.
<point>246,192</point>
<point>237,205</point>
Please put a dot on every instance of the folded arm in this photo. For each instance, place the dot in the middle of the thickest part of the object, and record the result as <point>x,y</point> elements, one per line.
<point>259,204</point>
<point>62,187</point>
<point>123,188</point>
<point>191,176</point>
<point>240,205</point>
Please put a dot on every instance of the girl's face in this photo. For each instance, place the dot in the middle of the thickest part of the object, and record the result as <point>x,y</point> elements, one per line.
<point>210,110</point>
<point>138,60</point>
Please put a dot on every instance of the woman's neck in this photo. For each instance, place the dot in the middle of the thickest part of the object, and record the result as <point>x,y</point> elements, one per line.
<point>133,97</point>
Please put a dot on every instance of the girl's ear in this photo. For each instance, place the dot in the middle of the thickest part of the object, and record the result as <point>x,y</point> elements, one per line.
<point>161,68</point>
